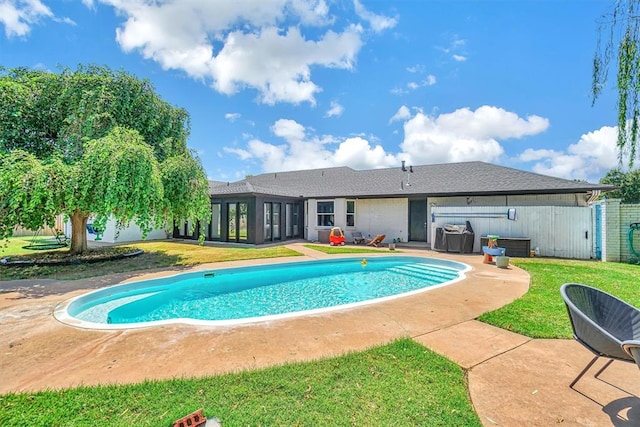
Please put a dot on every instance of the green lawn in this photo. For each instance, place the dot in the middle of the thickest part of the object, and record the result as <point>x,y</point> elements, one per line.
<point>399,384</point>
<point>541,312</point>
<point>327,249</point>
<point>15,245</point>
<point>157,254</point>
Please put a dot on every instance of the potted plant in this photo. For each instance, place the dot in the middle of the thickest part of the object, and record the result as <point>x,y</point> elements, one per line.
<point>502,261</point>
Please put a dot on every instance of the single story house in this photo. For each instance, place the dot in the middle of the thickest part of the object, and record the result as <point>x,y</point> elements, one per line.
<point>407,204</point>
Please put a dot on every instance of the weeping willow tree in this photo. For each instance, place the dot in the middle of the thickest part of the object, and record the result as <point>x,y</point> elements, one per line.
<point>619,41</point>
<point>94,143</point>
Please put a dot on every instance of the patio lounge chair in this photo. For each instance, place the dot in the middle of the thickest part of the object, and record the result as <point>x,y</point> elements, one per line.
<point>601,323</point>
<point>357,237</point>
<point>376,241</point>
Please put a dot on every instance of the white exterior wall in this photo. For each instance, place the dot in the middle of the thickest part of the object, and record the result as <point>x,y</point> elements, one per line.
<point>558,231</point>
<point>383,216</point>
<point>132,233</point>
<point>373,217</point>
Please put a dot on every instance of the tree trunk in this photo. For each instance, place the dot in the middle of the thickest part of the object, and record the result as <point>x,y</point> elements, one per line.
<point>78,232</point>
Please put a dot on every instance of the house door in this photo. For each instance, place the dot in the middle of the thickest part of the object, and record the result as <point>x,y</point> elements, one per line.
<point>418,220</point>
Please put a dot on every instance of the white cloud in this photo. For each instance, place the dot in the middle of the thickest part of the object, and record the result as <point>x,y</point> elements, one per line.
<point>429,81</point>
<point>532,155</point>
<point>403,113</point>
<point>242,154</point>
<point>456,48</point>
<point>378,23</point>
<point>233,45</point>
<point>416,68</point>
<point>315,12</point>
<point>336,110</point>
<point>278,65</point>
<point>232,117</point>
<point>465,135</point>
<point>457,42</point>
<point>290,130</point>
<point>588,159</point>
<point>491,122</point>
<point>359,154</point>
<point>302,150</point>
<point>18,16</point>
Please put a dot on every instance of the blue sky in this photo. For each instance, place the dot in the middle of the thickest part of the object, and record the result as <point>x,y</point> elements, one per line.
<point>274,85</point>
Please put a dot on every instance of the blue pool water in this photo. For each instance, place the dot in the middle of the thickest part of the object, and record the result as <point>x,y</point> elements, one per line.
<point>248,293</point>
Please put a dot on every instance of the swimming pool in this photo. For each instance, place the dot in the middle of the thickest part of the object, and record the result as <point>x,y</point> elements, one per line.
<point>258,293</point>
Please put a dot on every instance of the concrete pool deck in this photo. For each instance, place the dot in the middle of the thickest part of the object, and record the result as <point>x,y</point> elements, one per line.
<point>513,380</point>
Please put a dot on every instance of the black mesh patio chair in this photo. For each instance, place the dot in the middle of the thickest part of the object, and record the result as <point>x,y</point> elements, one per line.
<point>632,348</point>
<point>600,322</point>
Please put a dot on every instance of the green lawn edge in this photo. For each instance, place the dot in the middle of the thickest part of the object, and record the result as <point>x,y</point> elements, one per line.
<point>541,312</point>
<point>401,383</point>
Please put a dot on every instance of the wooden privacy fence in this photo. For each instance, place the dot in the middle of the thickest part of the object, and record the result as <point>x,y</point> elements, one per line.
<point>557,231</point>
<point>44,231</point>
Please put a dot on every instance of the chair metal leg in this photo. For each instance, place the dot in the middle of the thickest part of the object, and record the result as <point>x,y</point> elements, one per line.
<point>589,365</point>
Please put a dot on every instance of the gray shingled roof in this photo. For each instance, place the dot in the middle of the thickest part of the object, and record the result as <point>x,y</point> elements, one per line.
<point>468,178</point>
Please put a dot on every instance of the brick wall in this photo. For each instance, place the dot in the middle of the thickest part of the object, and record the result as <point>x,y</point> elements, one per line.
<point>628,214</point>
<point>616,218</point>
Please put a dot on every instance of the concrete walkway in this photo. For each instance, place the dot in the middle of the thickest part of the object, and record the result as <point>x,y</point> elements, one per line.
<point>513,380</point>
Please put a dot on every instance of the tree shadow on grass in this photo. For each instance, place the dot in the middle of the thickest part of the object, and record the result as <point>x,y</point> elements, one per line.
<point>41,281</point>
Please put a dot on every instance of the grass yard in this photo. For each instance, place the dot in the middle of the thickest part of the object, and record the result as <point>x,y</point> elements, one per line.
<point>541,312</point>
<point>332,250</point>
<point>399,384</point>
<point>15,245</point>
<point>157,254</point>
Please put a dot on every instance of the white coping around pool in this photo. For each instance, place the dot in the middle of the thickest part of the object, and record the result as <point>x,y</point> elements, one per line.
<point>61,313</point>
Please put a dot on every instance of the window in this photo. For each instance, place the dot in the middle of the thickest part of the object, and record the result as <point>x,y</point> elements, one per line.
<point>288,216</point>
<point>351,213</point>
<point>232,221</point>
<point>243,231</point>
<point>296,220</point>
<point>325,214</point>
<point>215,221</point>
<point>271,221</point>
<point>276,221</point>
<point>237,230</point>
<point>267,221</point>
<point>292,219</point>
